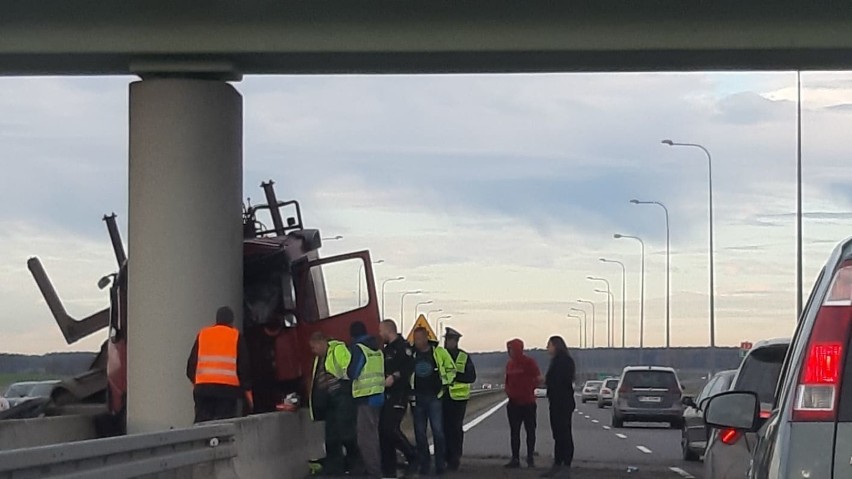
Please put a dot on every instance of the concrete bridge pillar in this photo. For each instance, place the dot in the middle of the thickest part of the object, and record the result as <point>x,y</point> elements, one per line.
<point>185,236</point>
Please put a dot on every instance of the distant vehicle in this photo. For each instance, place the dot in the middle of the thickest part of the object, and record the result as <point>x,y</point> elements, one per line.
<point>540,392</point>
<point>694,435</point>
<point>807,433</point>
<point>607,391</point>
<point>648,394</point>
<point>728,452</point>
<point>591,389</point>
<point>487,386</point>
<point>20,392</point>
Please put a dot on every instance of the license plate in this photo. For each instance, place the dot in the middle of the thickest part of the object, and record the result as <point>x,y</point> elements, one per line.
<point>650,399</point>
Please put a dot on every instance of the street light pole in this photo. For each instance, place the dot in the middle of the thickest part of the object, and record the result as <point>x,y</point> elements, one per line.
<point>641,296</point>
<point>417,307</point>
<point>712,267</point>
<point>360,272</point>
<point>668,269</point>
<point>609,303</point>
<point>439,324</point>
<point>333,238</point>
<point>402,308</point>
<point>580,327</point>
<point>608,308</point>
<point>623,297</point>
<point>385,282</point>
<point>594,318</point>
<point>439,310</point>
<point>586,322</point>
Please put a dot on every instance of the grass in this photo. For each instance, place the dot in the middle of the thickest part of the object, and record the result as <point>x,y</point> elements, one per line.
<point>8,378</point>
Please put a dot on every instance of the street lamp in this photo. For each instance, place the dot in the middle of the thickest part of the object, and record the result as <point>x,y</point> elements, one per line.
<point>402,307</point>
<point>398,278</point>
<point>417,307</point>
<point>360,272</point>
<point>623,296</point>
<point>586,322</point>
<point>580,327</point>
<point>608,308</point>
<point>712,268</point>
<point>641,295</point>
<point>609,301</point>
<point>333,238</point>
<point>668,269</point>
<point>439,310</point>
<point>594,318</point>
<point>440,325</point>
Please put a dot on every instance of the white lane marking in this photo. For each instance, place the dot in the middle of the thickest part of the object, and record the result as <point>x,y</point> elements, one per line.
<point>621,436</point>
<point>607,428</point>
<point>644,449</point>
<point>595,421</point>
<point>475,422</point>
<point>681,473</point>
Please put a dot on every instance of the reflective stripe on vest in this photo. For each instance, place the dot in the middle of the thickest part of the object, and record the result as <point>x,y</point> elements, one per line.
<point>217,356</point>
<point>460,391</point>
<point>371,381</point>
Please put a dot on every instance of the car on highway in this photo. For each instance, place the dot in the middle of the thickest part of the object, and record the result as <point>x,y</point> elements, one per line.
<point>809,429</point>
<point>607,391</point>
<point>20,392</point>
<point>728,450</point>
<point>694,434</point>
<point>590,392</point>
<point>540,392</point>
<point>648,394</point>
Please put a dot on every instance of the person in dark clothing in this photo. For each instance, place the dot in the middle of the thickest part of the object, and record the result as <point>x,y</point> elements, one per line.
<point>522,377</point>
<point>455,401</point>
<point>560,394</point>
<point>434,370</point>
<point>367,372</point>
<point>399,366</point>
<point>219,369</point>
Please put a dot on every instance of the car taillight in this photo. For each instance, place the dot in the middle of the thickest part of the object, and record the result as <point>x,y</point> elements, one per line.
<point>730,436</point>
<point>765,414</point>
<point>819,381</point>
<point>624,389</point>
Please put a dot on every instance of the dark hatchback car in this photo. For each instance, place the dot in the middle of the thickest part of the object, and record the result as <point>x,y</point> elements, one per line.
<point>693,438</point>
<point>648,394</point>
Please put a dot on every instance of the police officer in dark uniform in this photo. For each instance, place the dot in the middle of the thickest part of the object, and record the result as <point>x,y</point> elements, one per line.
<point>455,402</point>
<point>399,366</point>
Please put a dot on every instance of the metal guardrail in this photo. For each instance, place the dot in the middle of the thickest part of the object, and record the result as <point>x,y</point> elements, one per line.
<point>122,457</point>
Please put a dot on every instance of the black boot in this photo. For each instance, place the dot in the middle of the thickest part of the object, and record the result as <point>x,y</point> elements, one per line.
<point>531,462</point>
<point>515,463</point>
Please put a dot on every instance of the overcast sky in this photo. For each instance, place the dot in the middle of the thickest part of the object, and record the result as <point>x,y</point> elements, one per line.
<point>496,194</point>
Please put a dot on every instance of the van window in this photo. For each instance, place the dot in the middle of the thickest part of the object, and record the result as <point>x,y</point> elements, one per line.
<point>651,380</point>
<point>759,373</point>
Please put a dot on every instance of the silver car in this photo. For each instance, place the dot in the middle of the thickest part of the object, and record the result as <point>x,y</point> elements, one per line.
<point>607,392</point>
<point>808,433</point>
<point>728,451</point>
<point>648,394</point>
<point>693,436</point>
<point>590,391</point>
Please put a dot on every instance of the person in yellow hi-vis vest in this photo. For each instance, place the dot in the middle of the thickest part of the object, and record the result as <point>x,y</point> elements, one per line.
<point>455,402</point>
<point>331,402</point>
<point>434,371</point>
<point>367,372</point>
<point>219,367</point>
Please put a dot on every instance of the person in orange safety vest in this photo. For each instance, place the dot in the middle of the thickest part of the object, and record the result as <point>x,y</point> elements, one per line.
<point>218,367</point>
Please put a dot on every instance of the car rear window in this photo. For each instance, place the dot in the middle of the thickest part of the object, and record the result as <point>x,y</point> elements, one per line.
<point>759,372</point>
<point>651,379</point>
<point>593,384</point>
<point>611,384</point>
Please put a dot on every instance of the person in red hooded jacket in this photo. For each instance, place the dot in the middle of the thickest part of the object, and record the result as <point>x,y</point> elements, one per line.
<point>522,377</point>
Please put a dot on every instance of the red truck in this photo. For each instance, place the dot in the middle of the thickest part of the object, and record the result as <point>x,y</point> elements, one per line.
<point>285,301</point>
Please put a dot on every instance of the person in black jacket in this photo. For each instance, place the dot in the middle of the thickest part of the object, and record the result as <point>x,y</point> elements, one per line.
<point>560,394</point>
<point>399,366</point>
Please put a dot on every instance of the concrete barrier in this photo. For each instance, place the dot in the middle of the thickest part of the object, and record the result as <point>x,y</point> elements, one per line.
<point>275,445</point>
<point>44,431</point>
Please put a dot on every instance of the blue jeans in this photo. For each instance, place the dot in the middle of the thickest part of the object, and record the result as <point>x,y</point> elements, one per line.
<point>428,408</point>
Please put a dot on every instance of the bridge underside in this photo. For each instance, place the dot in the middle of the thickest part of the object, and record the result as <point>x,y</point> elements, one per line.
<point>57,37</point>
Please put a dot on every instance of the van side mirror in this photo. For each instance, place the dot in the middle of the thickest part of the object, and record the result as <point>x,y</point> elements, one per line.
<point>738,410</point>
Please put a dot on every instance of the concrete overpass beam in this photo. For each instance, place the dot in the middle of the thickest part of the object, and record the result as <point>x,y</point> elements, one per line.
<point>185,236</point>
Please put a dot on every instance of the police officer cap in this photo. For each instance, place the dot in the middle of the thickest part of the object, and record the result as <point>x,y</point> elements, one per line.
<point>452,333</point>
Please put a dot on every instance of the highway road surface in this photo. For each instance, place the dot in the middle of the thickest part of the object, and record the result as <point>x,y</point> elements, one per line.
<point>601,451</point>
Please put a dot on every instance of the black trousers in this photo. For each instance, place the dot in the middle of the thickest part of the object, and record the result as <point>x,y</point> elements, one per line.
<point>561,414</point>
<point>522,414</point>
<point>212,408</point>
<point>391,439</point>
<point>454,412</point>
